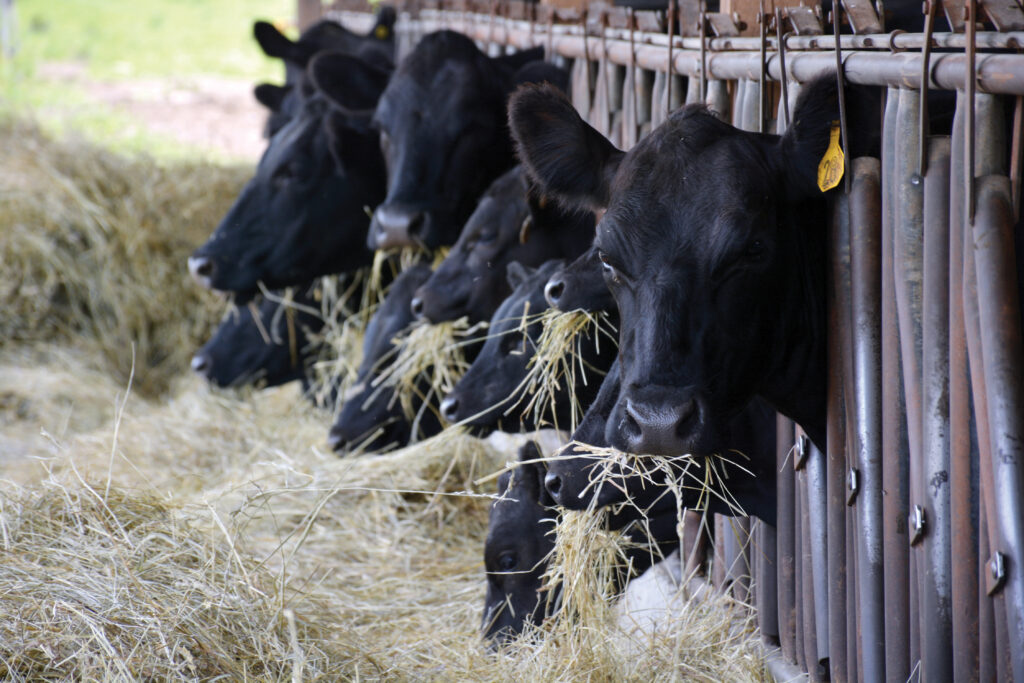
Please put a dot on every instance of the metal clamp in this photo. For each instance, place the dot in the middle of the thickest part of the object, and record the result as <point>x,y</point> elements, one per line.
<point>917,524</point>
<point>996,576</point>
<point>852,486</point>
<point>801,452</point>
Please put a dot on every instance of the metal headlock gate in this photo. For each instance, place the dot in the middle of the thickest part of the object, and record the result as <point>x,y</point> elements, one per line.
<point>899,553</point>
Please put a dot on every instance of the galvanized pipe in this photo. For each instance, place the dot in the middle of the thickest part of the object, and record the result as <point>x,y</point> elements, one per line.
<point>718,99</point>
<point>894,429</point>
<point>963,454</point>
<point>934,576</point>
<point>865,255</point>
<point>785,524</point>
<point>817,525</point>
<point>806,585</point>
<point>800,574</point>
<point>1003,354</point>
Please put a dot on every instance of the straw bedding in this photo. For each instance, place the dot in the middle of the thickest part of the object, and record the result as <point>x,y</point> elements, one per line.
<point>155,528</point>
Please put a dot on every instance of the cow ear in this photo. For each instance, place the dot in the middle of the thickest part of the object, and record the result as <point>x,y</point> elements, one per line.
<point>564,154</point>
<point>806,141</point>
<point>516,274</point>
<point>348,82</point>
<point>273,42</point>
<point>270,96</point>
<point>542,72</point>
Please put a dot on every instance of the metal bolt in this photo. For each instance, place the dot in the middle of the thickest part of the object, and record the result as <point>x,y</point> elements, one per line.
<point>917,524</point>
<point>852,486</point>
<point>802,451</point>
<point>997,573</point>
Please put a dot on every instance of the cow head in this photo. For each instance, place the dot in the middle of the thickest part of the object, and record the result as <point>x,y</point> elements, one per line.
<point>302,214</point>
<point>372,417</point>
<point>712,245</point>
<point>267,343</point>
<point>508,225</point>
<point>443,135</point>
<point>520,539</point>
<point>580,285</point>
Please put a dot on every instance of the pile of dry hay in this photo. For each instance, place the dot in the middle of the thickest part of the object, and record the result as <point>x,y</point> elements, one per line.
<point>94,244</point>
<point>197,534</point>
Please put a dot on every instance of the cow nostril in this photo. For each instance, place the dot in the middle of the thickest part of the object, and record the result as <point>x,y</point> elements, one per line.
<point>553,291</point>
<point>416,306</point>
<point>553,483</point>
<point>416,224</point>
<point>201,267</point>
<point>335,439</point>
<point>200,363</point>
<point>450,408</point>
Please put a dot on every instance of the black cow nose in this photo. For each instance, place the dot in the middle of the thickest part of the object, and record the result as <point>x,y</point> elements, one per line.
<point>201,268</point>
<point>335,439</point>
<point>394,226</point>
<point>416,306</point>
<point>553,291</point>
<point>450,409</point>
<point>553,483</point>
<point>201,363</point>
<point>658,430</point>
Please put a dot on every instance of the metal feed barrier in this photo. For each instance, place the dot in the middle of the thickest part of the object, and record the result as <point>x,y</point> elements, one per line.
<point>899,553</point>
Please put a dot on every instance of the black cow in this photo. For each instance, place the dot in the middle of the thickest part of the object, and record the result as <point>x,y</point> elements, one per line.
<point>269,343</point>
<point>713,245</point>
<point>520,539</point>
<point>372,418</point>
<point>492,394</point>
<point>302,215</point>
<point>285,101</point>
<point>580,286</point>
<point>509,224</point>
<point>443,133</point>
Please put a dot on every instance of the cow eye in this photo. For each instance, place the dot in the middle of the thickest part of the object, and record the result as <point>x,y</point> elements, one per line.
<point>607,267</point>
<point>285,175</point>
<point>507,561</point>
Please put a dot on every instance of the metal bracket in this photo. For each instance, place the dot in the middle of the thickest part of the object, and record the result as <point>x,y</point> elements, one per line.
<point>917,524</point>
<point>996,576</point>
<point>805,20</point>
<point>724,25</point>
<point>862,16</point>
<point>689,17</point>
<point>954,10</point>
<point>801,451</point>
<point>852,486</point>
<point>1006,15</point>
<point>649,21</point>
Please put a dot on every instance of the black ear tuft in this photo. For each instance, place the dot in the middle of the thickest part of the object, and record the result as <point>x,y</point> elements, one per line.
<point>347,81</point>
<point>563,153</point>
<point>516,274</point>
<point>273,42</point>
<point>271,96</point>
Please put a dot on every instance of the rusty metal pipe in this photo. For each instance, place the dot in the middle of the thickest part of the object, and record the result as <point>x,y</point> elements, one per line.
<point>785,522</point>
<point>963,455</point>
<point>1003,354</point>
<point>865,255</point>
<point>894,430</point>
<point>935,581</point>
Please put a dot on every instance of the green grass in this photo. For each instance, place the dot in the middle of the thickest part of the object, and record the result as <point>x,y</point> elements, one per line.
<point>113,40</point>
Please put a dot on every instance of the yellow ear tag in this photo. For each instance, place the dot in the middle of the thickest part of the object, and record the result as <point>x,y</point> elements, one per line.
<point>381,32</point>
<point>830,168</point>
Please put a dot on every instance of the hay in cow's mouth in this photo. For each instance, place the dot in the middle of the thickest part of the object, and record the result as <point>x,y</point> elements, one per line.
<point>558,361</point>
<point>427,355</point>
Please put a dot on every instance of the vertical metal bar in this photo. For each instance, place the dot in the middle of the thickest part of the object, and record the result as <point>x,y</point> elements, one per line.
<point>854,645</point>
<point>718,570</point>
<point>762,20</point>
<point>780,37</point>
<point>963,451</point>
<point>718,98</point>
<point>970,83</point>
<point>840,562</point>
<point>766,582</point>
<point>817,524</point>
<point>987,669</point>
<point>865,255</point>
<point>1003,354</point>
<point>806,585</point>
<point>926,54</point>
<point>738,102</point>
<point>935,581</point>
<point>671,18</point>
<point>739,570</point>
<point>800,578</point>
<point>752,119</point>
<point>786,546</point>
<point>894,430</point>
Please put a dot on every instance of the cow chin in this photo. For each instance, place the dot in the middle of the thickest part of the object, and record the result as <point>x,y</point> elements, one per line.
<point>657,420</point>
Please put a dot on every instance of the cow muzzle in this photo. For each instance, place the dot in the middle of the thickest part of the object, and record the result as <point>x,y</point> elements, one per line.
<point>395,225</point>
<point>661,421</point>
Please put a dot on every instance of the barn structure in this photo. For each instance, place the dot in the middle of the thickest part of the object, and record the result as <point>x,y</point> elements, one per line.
<point>899,552</point>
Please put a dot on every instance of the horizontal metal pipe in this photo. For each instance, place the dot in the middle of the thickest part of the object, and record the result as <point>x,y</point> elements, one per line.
<point>997,73</point>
